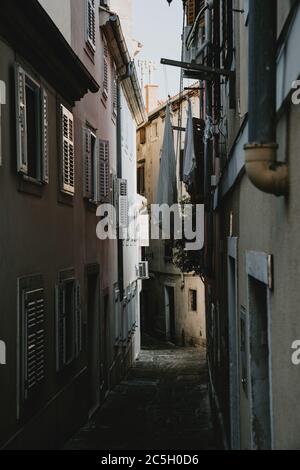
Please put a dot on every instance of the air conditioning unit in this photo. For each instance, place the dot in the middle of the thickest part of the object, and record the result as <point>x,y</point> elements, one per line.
<point>142,270</point>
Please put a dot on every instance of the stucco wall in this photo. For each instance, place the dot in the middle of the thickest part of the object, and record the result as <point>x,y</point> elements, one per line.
<point>60,13</point>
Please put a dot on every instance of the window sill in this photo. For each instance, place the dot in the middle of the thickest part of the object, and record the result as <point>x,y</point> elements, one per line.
<point>65,198</point>
<point>91,206</point>
<point>30,186</point>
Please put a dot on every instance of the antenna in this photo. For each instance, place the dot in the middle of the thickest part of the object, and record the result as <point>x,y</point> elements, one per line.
<point>147,67</point>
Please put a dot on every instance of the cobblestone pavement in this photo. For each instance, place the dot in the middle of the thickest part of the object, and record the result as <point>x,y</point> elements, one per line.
<point>162,404</point>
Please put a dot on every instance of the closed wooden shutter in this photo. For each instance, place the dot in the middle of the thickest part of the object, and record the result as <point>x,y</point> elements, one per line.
<point>33,341</point>
<point>103,170</point>
<point>68,163</point>
<point>191,12</point>
<point>78,319</point>
<point>45,140</point>
<point>91,23</point>
<point>87,163</point>
<point>60,327</point>
<point>105,70</point>
<point>115,96</point>
<point>22,163</point>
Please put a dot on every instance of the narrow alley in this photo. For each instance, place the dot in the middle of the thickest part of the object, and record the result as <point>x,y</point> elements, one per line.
<point>163,404</point>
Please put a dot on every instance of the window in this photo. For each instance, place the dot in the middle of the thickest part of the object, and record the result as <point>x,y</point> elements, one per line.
<point>141,179</point>
<point>103,170</point>
<point>105,70</point>
<point>96,167</point>
<point>143,135</point>
<point>91,24</point>
<point>32,336</point>
<point>2,101</point>
<point>90,168</point>
<point>68,320</point>
<point>154,131</point>
<point>193,300</point>
<point>68,163</point>
<point>32,127</point>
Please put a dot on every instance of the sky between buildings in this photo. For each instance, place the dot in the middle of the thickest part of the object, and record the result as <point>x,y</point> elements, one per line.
<point>158,27</point>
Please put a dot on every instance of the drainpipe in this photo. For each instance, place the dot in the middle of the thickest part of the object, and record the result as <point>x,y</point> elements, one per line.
<point>119,175</point>
<point>261,164</point>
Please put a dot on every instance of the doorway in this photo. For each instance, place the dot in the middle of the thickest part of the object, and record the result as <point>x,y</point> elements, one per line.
<point>234,374</point>
<point>170,313</point>
<point>105,344</point>
<point>93,345</point>
<point>259,272</point>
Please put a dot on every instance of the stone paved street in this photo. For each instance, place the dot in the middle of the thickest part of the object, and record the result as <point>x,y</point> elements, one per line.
<point>163,404</point>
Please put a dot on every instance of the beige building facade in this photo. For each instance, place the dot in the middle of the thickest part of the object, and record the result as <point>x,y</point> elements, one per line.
<point>173,302</point>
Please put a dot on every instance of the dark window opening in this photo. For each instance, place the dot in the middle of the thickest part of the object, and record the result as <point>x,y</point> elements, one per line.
<point>143,135</point>
<point>33,131</point>
<point>193,300</point>
<point>141,180</point>
<point>93,166</point>
<point>70,327</point>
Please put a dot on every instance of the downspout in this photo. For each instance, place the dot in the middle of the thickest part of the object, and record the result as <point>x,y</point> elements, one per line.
<point>119,175</point>
<point>261,164</point>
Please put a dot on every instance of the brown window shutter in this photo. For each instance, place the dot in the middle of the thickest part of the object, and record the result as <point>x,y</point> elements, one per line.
<point>191,12</point>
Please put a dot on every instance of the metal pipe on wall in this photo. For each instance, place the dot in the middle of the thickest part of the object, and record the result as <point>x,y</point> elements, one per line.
<point>261,165</point>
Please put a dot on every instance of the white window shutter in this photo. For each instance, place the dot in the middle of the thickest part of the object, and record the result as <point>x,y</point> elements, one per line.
<point>22,163</point>
<point>87,163</point>
<point>78,320</point>
<point>123,203</point>
<point>68,162</point>
<point>91,23</point>
<point>33,341</point>
<point>60,327</point>
<point>45,139</point>
<point>103,170</point>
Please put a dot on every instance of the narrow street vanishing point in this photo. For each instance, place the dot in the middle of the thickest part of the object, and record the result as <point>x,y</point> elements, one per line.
<point>165,400</point>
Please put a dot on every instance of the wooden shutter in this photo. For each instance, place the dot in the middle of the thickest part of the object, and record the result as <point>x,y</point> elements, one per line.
<point>87,163</point>
<point>191,12</point>
<point>103,170</point>
<point>105,70</point>
<point>123,204</point>
<point>33,341</point>
<point>45,140</point>
<point>68,163</point>
<point>78,319</point>
<point>91,23</point>
<point>115,96</point>
<point>60,327</point>
<point>21,124</point>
